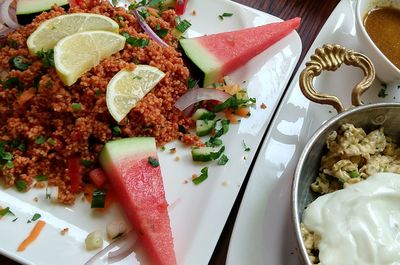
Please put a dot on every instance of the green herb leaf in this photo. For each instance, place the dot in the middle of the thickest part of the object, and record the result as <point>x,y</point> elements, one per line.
<point>21,185</point>
<point>86,163</point>
<point>223,160</point>
<point>47,57</point>
<point>203,176</point>
<point>51,141</point>
<point>35,217</point>
<point>5,211</point>
<point>116,130</point>
<point>19,62</point>
<point>40,177</point>
<point>98,198</point>
<point>135,42</point>
<point>9,164</point>
<point>153,161</point>
<point>13,82</point>
<point>76,106</point>
<point>246,148</point>
<point>192,83</point>
<point>234,103</point>
<point>216,155</point>
<point>40,140</point>
<point>183,26</point>
<point>225,15</point>
<point>161,32</point>
<point>353,174</point>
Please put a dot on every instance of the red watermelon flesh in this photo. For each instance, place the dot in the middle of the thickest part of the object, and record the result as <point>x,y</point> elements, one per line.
<point>220,54</point>
<point>140,190</point>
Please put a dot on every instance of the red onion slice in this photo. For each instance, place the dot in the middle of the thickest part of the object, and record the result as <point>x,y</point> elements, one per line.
<point>7,15</point>
<point>147,28</point>
<point>199,94</point>
<point>124,243</point>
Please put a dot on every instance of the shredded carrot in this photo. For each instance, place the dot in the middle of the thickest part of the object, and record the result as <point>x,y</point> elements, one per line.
<point>230,116</point>
<point>26,96</point>
<point>244,112</point>
<point>32,236</point>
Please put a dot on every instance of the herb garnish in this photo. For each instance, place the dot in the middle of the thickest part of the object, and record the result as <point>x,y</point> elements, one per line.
<point>98,198</point>
<point>19,62</point>
<point>13,82</point>
<point>35,217</point>
<point>47,57</point>
<point>246,148</point>
<point>21,185</point>
<point>153,161</point>
<point>160,31</point>
<point>192,83</point>
<point>40,140</point>
<point>203,176</point>
<point>183,26</point>
<point>223,160</point>
<point>234,103</point>
<point>135,42</point>
<point>116,130</point>
<point>76,106</point>
<point>225,15</point>
<point>5,211</point>
<point>40,177</point>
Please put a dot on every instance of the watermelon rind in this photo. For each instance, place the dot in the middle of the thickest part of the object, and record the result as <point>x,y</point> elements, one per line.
<point>120,149</point>
<point>207,62</point>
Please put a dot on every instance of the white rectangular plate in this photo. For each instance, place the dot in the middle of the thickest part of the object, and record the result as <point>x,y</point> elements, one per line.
<point>199,212</point>
<point>263,232</point>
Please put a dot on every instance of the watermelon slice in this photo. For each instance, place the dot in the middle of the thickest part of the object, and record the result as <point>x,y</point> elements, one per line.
<point>220,54</point>
<point>133,170</point>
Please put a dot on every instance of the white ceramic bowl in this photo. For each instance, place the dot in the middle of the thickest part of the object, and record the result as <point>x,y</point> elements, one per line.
<point>386,71</point>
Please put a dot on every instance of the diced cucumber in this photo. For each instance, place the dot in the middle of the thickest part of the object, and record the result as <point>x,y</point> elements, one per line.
<point>206,153</point>
<point>204,127</point>
<point>203,114</point>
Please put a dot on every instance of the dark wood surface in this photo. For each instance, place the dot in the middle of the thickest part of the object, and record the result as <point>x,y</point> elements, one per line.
<point>314,14</point>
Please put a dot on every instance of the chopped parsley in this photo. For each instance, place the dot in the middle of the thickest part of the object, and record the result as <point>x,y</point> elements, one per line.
<point>203,176</point>
<point>76,106</point>
<point>183,26</point>
<point>137,4</point>
<point>223,160</point>
<point>160,31</point>
<point>246,148</point>
<point>21,185</point>
<point>51,141</point>
<point>5,211</point>
<point>153,161</point>
<point>116,130</point>
<point>135,42</point>
<point>143,13</point>
<point>382,93</point>
<point>9,164</point>
<point>224,15</point>
<point>40,177</point>
<point>97,92</point>
<point>40,140</point>
<point>86,163</point>
<point>233,102</point>
<point>47,57</point>
<point>19,62</point>
<point>13,82</point>
<point>35,217</point>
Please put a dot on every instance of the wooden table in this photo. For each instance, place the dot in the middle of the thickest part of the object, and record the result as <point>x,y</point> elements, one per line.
<point>314,14</point>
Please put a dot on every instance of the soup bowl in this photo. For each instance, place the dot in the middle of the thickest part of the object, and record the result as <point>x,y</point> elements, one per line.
<point>386,71</point>
<point>369,117</point>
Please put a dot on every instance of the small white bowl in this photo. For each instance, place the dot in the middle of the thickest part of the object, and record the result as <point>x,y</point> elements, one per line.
<point>386,71</point>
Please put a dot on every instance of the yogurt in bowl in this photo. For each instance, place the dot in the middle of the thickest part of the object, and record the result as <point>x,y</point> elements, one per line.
<point>386,69</point>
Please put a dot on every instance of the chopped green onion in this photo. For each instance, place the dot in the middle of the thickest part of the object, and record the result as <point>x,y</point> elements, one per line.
<point>135,42</point>
<point>225,15</point>
<point>183,26</point>
<point>21,185</point>
<point>98,198</point>
<point>40,140</point>
<point>160,32</point>
<point>203,176</point>
<point>35,217</point>
<point>223,160</point>
<point>40,177</point>
<point>153,161</point>
<point>76,106</point>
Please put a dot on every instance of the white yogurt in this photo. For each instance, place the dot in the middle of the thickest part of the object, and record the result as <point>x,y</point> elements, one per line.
<point>359,224</point>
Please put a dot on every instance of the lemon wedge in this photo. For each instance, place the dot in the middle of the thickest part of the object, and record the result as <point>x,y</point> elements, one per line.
<point>78,53</point>
<point>47,35</point>
<point>127,88</point>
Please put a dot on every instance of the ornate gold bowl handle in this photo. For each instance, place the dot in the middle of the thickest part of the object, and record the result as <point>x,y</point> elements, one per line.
<point>330,57</point>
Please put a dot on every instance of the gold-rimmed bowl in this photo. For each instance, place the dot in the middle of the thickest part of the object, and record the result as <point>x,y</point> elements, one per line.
<point>369,117</point>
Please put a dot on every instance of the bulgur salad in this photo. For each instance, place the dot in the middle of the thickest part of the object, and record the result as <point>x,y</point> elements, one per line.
<point>352,156</point>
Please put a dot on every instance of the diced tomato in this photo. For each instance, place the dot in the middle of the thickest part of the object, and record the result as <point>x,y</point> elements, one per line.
<point>74,173</point>
<point>180,6</point>
<point>98,177</point>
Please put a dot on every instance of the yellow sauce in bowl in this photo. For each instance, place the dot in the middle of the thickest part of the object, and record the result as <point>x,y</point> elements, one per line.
<point>383,27</point>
